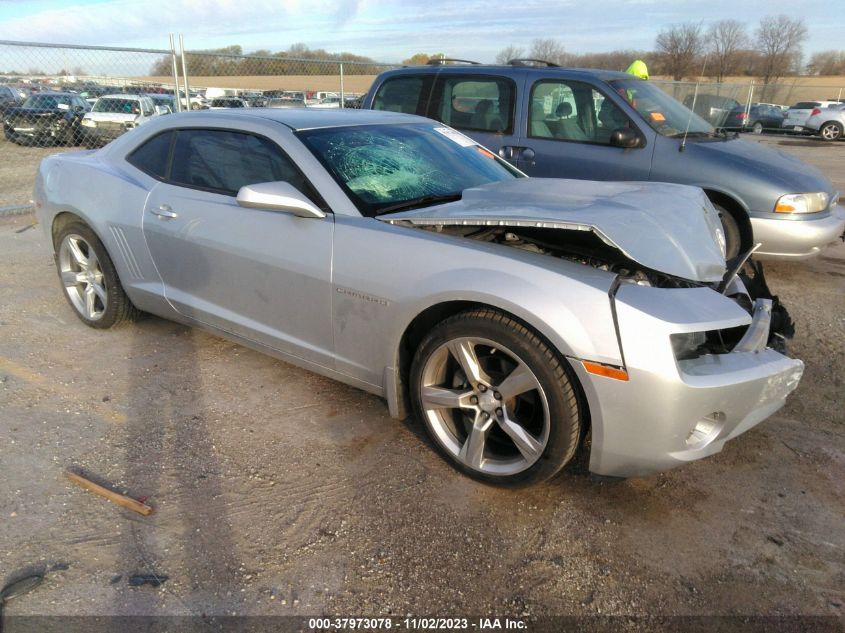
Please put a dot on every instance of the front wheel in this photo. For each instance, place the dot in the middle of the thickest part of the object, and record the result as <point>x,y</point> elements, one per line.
<point>831,131</point>
<point>495,399</point>
<point>733,238</point>
<point>89,279</point>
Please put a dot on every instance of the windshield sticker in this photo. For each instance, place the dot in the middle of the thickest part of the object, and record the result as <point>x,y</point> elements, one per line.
<point>457,137</point>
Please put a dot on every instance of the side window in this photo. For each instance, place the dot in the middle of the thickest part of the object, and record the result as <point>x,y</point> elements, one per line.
<point>400,94</point>
<point>475,103</point>
<point>573,111</point>
<point>224,161</point>
<point>147,107</point>
<point>152,156</point>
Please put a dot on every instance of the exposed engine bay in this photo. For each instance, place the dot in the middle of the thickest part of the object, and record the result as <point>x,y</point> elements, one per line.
<point>587,248</point>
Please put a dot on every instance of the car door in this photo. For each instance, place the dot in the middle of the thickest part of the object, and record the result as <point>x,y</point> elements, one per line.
<point>260,274</point>
<point>484,107</point>
<point>567,132</point>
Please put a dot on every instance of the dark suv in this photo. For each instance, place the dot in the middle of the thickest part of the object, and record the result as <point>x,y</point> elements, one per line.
<point>604,125</point>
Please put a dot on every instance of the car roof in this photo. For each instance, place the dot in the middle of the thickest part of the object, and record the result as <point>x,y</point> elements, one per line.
<point>122,96</point>
<point>493,69</point>
<point>305,118</point>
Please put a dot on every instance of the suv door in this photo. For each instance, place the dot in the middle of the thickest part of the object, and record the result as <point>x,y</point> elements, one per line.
<point>484,107</point>
<point>567,134</point>
<point>261,274</point>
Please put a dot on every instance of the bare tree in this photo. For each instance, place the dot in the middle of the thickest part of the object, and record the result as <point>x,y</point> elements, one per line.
<point>681,46</point>
<point>725,41</point>
<point>779,40</point>
<point>548,50</point>
<point>827,63</point>
<point>509,53</point>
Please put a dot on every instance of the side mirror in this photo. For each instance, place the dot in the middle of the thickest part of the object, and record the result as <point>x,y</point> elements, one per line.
<point>624,137</point>
<point>278,196</point>
<point>160,109</point>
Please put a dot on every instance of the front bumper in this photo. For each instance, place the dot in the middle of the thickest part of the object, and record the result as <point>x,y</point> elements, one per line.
<point>671,412</point>
<point>797,238</point>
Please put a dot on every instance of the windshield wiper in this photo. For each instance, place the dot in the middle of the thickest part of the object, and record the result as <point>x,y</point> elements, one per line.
<point>422,201</point>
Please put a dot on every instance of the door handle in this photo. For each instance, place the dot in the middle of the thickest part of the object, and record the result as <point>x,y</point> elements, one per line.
<point>164,211</point>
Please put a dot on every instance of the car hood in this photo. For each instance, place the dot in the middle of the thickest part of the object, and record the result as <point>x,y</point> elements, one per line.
<point>37,112</point>
<point>666,227</point>
<point>774,166</point>
<point>119,117</point>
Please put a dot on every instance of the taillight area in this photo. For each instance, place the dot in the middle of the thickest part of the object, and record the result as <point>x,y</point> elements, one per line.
<point>816,111</point>
<point>742,116</point>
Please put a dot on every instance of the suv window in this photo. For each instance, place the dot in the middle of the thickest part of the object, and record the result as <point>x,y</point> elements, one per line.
<point>474,103</point>
<point>222,161</point>
<point>146,106</point>
<point>573,111</point>
<point>401,94</point>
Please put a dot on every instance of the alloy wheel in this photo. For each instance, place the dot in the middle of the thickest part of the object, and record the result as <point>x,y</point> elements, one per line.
<point>82,277</point>
<point>485,406</point>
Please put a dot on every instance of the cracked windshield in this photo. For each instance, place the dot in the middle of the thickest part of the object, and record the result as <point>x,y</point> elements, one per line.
<point>387,167</point>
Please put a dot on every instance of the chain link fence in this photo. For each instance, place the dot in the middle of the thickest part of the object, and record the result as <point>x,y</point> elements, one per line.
<point>57,98</point>
<point>751,106</point>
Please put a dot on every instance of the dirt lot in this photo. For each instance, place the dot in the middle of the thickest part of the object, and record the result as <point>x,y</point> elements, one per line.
<point>279,492</point>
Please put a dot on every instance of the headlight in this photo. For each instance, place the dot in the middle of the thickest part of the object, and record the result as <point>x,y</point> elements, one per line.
<point>88,123</point>
<point>686,345</point>
<point>802,203</point>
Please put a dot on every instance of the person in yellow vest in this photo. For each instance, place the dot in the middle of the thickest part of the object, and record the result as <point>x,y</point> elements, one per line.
<point>638,69</point>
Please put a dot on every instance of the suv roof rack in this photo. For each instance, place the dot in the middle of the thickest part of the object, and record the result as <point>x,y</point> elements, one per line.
<point>442,61</point>
<point>527,61</point>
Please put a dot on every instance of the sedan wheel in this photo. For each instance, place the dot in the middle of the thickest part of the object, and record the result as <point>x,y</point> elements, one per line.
<point>89,278</point>
<point>831,131</point>
<point>495,399</point>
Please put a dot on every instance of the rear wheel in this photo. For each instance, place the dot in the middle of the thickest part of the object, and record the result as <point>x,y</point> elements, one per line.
<point>831,131</point>
<point>89,279</point>
<point>495,399</point>
<point>757,128</point>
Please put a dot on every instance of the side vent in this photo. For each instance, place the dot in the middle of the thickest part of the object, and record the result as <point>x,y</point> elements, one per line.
<point>129,261</point>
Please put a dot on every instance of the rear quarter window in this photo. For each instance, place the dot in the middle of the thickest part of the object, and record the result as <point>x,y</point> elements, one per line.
<point>402,94</point>
<point>805,105</point>
<point>153,156</point>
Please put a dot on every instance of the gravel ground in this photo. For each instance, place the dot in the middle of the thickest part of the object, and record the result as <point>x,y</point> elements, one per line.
<point>279,492</point>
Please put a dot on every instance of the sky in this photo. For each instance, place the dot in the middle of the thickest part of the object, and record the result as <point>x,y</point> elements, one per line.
<point>392,31</point>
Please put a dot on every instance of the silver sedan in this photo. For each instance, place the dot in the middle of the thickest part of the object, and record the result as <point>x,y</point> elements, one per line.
<point>518,320</point>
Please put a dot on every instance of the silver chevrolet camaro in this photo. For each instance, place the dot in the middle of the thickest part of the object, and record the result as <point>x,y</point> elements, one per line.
<point>518,319</point>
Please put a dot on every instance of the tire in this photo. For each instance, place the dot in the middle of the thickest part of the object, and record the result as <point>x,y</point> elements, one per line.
<point>757,128</point>
<point>91,285</point>
<point>195,106</point>
<point>831,131</point>
<point>733,238</point>
<point>523,435</point>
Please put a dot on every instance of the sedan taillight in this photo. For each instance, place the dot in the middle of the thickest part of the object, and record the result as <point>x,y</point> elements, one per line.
<point>815,111</point>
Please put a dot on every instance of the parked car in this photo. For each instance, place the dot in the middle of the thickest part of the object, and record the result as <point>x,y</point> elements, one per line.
<point>112,115</point>
<point>552,309</point>
<point>828,123</point>
<point>166,101</point>
<point>285,102</point>
<point>46,118</point>
<point>221,103</point>
<point>602,125</point>
<point>758,118</point>
<point>713,108</point>
<point>798,114</point>
<point>9,98</point>
<point>196,101</point>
